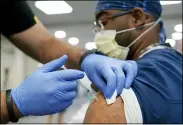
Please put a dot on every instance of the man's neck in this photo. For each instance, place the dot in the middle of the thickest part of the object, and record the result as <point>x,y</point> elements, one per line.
<point>135,51</point>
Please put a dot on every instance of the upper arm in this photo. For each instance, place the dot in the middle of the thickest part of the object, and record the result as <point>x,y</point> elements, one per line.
<point>100,112</point>
<point>31,37</point>
<point>34,41</point>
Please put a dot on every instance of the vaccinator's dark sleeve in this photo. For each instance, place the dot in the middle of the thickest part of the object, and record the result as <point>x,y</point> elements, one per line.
<point>16,17</point>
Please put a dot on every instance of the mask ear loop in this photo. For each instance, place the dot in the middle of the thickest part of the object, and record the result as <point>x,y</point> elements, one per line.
<point>102,27</point>
<point>135,28</point>
<point>155,23</point>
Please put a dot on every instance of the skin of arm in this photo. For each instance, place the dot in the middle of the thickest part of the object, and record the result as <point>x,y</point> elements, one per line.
<point>4,110</point>
<point>39,44</point>
<point>99,112</point>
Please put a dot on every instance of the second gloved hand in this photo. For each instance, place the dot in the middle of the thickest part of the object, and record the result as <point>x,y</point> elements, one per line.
<point>47,91</point>
<point>109,74</point>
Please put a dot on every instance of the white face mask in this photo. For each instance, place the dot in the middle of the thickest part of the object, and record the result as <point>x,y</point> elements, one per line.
<point>106,43</point>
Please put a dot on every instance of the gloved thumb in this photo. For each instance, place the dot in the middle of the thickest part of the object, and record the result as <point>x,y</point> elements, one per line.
<point>55,64</point>
<point>130,70</point>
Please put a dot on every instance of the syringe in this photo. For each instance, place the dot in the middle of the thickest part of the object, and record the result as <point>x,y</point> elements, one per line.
<point>84,87</point>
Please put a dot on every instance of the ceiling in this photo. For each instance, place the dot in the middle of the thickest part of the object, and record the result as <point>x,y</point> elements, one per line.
<point>83,11</point>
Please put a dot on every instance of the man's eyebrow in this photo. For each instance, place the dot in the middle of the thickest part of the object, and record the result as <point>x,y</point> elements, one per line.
<point>100,14</point>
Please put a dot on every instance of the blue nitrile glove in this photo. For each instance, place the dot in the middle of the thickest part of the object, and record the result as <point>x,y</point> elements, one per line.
<point>108,73</point>
<point>47,91</point>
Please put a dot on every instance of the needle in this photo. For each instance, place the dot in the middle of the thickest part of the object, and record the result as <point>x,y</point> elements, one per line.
<point>84,87</point>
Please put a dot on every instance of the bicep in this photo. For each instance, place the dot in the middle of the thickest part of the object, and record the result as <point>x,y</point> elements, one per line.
<point>99,112</point>
<point>32,41</point>
<point>31,36</point>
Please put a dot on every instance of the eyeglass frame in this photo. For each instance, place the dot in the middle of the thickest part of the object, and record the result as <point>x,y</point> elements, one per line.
<point>99,22</point>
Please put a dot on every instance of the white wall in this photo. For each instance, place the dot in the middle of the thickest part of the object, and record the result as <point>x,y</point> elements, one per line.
<point>82,31</point>
<point>13,59</point>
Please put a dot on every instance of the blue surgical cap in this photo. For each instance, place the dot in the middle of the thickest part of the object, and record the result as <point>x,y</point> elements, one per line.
<point>150,6</point>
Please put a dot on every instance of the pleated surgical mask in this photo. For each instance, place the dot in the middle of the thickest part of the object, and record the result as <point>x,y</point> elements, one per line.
<point>106,43</point>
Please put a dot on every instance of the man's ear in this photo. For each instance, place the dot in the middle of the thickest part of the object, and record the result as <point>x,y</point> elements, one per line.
<point>138,17</point>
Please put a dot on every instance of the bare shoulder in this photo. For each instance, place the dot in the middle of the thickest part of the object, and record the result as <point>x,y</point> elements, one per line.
<point>99,112</point>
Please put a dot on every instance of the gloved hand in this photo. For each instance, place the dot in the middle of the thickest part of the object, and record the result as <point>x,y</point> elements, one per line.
<point>109,74</point>
<point>47,91</point>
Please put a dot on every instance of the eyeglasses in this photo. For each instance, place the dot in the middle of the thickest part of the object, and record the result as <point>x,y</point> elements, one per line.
<point>99,24</point>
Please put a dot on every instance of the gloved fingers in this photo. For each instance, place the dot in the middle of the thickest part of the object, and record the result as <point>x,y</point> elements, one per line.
<point>110,79</point>
<point>64,105</point>
<point>70,95</point>
<point>120,79</point>
<point>130,74</point>
<point>69,86</point>
<point>135,66</point>
<point>68,75</point>
<point>63,95</point>
<point>55,64</point>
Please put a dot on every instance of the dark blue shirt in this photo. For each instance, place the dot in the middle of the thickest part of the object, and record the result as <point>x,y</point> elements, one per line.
<point>158,86</point>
